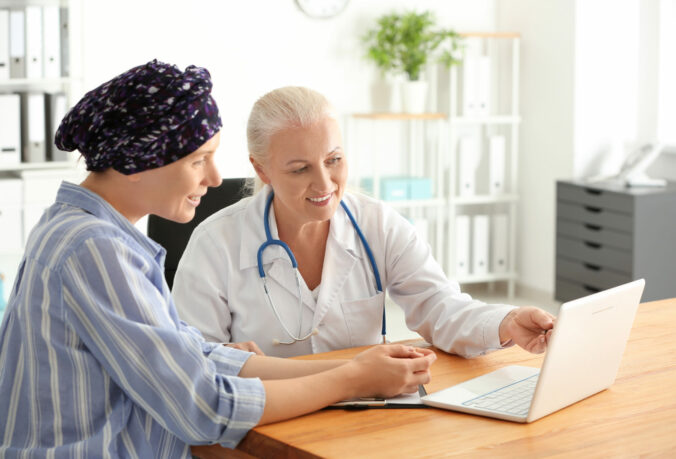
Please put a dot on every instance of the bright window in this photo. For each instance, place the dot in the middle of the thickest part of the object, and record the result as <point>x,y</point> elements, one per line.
<point>666,104</point>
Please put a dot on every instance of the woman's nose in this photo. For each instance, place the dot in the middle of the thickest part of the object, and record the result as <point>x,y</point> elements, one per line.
<point>213,177</point>
<point>323,179</point>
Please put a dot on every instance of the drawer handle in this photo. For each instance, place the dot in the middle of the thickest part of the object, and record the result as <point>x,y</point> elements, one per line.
<point>592,267</point>
<point>593,227</point>
<point>595,210</point>
<point>593,191</point>
<point>593,245</point>
<point>589,288</point>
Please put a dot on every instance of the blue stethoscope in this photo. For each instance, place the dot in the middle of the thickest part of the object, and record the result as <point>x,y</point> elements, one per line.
<point>269,242</point>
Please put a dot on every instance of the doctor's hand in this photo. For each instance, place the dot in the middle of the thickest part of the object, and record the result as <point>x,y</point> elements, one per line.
<point>529,327</point>
<point>388,370</point>
<point>248,346</point>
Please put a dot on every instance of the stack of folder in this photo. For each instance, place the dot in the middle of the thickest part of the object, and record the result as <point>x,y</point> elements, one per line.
<point>34,42</point>
<point>28,122</point>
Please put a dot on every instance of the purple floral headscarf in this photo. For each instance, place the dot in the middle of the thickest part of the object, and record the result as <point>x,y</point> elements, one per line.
<point>147,117</point>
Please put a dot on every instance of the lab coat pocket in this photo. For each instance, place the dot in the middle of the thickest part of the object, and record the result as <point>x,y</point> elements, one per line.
<point>364,319</point>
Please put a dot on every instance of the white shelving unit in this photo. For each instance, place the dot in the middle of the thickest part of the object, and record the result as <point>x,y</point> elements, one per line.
<point>426,145</point>
<point>408,145</point>
<point>503,118</point>
<point>39,180</point>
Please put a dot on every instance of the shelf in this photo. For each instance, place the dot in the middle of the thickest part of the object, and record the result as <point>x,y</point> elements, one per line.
<point>23,3</point>
<point>418,203</point>
<point>484,199</point>
<point>490,35</point>
<point>400,116</point>
<point>498,119</point>
<point>490,277</point>
<point>37,166</point>
<point>14,82</point>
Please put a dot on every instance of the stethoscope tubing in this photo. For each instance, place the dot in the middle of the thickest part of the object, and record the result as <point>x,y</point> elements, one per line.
<point>270,242</point>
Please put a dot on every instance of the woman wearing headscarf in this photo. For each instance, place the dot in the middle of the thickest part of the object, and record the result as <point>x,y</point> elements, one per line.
<point>94,359</point>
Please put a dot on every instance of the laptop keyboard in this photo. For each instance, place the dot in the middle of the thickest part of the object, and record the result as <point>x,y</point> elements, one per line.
<point>512,399</point>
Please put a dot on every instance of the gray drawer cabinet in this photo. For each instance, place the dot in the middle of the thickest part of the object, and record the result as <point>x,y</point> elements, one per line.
<point>607,235</point>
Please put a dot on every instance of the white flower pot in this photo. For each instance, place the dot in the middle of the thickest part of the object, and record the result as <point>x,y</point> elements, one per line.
<point>414,96</point>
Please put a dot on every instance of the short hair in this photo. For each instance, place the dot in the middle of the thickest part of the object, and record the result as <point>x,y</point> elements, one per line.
<point>283,108</point>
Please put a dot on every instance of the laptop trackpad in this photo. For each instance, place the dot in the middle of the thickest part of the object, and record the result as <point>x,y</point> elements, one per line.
<point>483,384</point>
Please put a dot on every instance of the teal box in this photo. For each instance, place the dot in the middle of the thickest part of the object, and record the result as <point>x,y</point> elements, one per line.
<point>391,188</point>
<point>419,188</point>
<point>400,188</point>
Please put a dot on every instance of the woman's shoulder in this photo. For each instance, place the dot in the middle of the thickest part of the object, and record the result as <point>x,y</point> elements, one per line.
<point>230,220</point>
<point>368,207</point>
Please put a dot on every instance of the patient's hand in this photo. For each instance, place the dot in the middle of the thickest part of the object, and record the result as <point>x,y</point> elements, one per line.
<point>248,346</point>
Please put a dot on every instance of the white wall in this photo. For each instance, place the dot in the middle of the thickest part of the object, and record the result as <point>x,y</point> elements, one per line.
<point>606,84</point>
<point>547,73</point>
<point>251,47</point>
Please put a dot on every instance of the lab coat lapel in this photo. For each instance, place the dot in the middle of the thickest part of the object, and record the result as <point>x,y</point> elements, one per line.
<point>283,274</point>
<point>340,259</point>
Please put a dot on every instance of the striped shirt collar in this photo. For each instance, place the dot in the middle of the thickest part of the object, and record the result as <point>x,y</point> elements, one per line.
<point>87,200</point>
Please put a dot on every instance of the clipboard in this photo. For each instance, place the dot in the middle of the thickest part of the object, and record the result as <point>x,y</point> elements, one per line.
<point>398,402</point>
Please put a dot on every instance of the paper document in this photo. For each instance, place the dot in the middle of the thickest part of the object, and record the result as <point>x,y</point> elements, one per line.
<point>400,401</point>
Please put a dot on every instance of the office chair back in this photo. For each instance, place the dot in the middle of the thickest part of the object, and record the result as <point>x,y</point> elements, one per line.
<point>174,236</point>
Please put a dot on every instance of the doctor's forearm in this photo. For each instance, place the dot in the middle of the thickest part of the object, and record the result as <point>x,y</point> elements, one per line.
<point>264,367</point>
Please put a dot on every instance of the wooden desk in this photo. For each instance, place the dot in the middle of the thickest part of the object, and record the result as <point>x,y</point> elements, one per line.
<point>636,416</point>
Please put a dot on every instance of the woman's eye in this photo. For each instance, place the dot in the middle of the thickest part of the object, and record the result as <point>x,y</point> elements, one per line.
<point>301,170</point>
<point>335,160</point>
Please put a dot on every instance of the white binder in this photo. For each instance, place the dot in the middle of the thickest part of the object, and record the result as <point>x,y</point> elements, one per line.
<point>468,160</point>
<point>496,164</point>
<point>65,41</point>
<point>483,85</point>
<point>4,44</point>
<point>34,42</point>
<point>33,128</point>
<point>10,129</point>
<point>55,109</point>
<point>469,85</point>
<point>51,30</point>
<point>500,233</point>
<point>480,245</point>
<point>17,44</point>
<point>462,244</point>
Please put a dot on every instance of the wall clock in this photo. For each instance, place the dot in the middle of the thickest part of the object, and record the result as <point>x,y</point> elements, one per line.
<point>321,9</point>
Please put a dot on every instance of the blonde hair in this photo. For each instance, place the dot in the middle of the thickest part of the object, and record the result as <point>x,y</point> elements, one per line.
<point>283,108</point>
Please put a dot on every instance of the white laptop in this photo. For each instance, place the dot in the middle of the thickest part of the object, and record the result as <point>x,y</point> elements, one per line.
<point>583,356</point>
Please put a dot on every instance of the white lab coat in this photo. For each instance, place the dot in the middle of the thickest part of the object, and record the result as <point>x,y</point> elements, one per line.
<point>218,289</point>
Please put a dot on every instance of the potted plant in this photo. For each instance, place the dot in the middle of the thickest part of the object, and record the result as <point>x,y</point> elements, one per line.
<point>404,43</point>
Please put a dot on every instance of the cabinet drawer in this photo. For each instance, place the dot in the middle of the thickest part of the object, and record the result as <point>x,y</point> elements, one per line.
<point>588,273</point>
<point>594,253</point>
<point>568,290</point>
<point>594,216</point>
<point>594,233</point>
<point>594,197</point>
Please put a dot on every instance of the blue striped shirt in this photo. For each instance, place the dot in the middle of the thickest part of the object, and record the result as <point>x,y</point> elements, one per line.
<point>94,361</point>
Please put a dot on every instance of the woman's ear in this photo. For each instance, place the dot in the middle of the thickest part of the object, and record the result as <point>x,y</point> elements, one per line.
<point>259,170</point>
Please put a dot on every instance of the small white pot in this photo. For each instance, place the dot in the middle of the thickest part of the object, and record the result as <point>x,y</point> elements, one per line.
<point>414,96</point>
